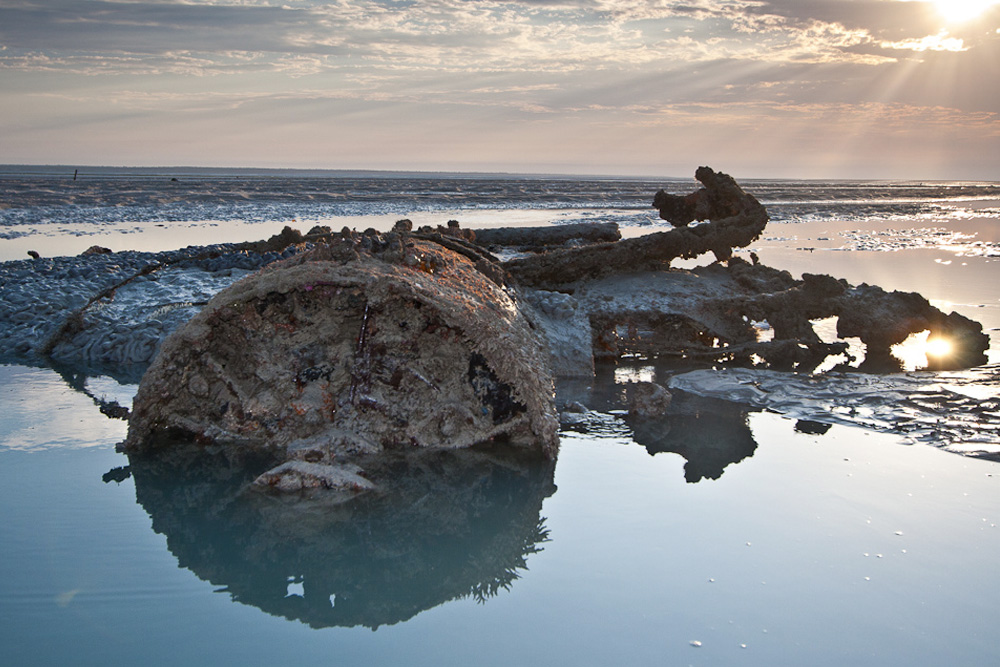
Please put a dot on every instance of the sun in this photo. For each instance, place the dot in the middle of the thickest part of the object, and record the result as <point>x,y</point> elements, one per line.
<point>923,350</point>
<point>937,346</point>
<point>959,11</point>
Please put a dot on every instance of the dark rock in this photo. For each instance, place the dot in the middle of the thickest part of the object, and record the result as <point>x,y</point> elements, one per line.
<point>678,210</point>
<point>287,237</point>
<point>96,250</point>
<point>810,427</point>
<point>112,410</point>
<point>647,399</point>
<point>451,230</point>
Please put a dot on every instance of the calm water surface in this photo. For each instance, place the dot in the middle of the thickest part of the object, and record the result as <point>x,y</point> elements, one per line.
<point>841,548</point>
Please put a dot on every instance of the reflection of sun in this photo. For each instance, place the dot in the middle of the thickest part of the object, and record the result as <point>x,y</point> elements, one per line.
<point>957,11</point>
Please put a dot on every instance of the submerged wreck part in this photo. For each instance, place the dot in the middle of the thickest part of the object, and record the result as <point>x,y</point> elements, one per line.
<point>109,311</point>
<point>708,314</point>
<point>882,319</point>
<point>544,238</point>
<point>126,323</point>
<point>956,411</point>
<point>739,220</point>
<point>371,343</point>
<point>647,399</point>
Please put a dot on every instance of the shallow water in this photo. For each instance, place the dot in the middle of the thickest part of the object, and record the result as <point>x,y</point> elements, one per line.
<point>846,547</point>
<point>47,210</point>
<point>720,534</point>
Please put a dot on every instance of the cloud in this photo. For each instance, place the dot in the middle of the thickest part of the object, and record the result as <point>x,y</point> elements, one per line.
<point>939,42</point>
<point>592,64</point>
<point>458,35</point>
<point>144,27</point>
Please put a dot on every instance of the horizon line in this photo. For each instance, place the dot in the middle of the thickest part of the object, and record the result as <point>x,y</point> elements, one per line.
<point>180,170</point>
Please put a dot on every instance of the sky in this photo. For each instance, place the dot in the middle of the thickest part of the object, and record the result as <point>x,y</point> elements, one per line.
<point>756,88</point>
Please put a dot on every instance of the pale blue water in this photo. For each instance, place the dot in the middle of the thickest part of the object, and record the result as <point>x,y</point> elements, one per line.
<point>845,548</point>
<point>757,536</point>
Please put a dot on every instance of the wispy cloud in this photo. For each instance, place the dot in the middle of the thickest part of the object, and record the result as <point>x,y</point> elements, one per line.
<point>458,35</point>
<point>939,42</point>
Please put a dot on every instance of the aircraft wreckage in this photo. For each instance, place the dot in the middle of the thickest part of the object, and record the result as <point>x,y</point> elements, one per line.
<point>364,345</point>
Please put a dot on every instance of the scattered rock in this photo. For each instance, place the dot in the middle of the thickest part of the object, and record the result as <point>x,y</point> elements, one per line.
<point>810,427</point>
<point>647,399</point>
<point>112,410</point>
<point>95,250</point>
<point>298,475</point>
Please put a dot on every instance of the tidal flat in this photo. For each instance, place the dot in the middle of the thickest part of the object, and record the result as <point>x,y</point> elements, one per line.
<point>724,533</point>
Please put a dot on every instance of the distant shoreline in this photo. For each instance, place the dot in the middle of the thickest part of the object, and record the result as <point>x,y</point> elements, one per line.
<point>85,172</point>
<point>91,171</point>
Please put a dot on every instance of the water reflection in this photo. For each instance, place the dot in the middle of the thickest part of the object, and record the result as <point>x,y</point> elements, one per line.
<point>449,525</point>
<point>709,433</point>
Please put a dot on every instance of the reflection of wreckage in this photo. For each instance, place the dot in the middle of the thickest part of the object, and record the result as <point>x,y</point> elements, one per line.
<point>453,525</point>
<point>708,433</point>
<point>370,343</point>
